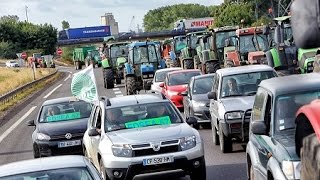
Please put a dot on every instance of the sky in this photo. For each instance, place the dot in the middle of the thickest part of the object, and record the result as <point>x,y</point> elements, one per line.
<point>82,13</point>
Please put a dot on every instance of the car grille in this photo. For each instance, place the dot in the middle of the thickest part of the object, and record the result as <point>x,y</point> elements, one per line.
<point>247,115</point>
<point>207,114</point>
<point>74,136</point>
<point>146,149</point>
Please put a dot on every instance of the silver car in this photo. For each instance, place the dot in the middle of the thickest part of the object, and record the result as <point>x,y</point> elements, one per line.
<point>160,76</point>
<point>143,135</point>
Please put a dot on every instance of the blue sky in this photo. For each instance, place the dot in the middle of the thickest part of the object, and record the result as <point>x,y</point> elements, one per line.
<point>80,13</point>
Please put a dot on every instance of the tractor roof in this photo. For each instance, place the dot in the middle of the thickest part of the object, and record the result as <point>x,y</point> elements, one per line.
<point>138,44</point>
<point>197,33</point>
<point>226,28</point>
<point>249,31</point>
<point>119,43</point>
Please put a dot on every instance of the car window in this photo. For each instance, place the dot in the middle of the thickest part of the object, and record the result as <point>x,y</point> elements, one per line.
<point>258,105</point>
<point>141,115</point>
<point>202,85</point>
<point>161,76</point>
<point>65,111</point>
<point>54,174</point>
<point>181,78</point>
<point>244,84</point>
<point>93,117</point>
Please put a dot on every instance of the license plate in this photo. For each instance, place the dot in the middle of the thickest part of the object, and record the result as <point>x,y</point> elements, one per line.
<point>159,160</point>
<point>69,143</point>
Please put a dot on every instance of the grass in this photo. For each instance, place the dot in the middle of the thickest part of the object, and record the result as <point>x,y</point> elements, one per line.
<point>20,96</point>
<point>12,78</point>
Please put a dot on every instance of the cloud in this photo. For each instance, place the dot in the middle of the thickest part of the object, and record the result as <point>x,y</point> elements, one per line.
<point>80,13</point>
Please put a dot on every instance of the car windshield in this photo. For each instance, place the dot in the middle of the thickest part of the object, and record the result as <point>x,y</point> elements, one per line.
<point>141,54</point>
<point>202,85</point>
<point>222,36</point>
<point>65,111</point>
<point>141,115</point>
<point>248,43</point>
<point>61,174</point>
<point>161,75</point>
<point>181,78</point>
<point>119,50</point>
<point>286,107</point>
<point>245,84</point>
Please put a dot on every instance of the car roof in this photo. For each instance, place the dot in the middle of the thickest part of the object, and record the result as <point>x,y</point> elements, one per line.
<point>60,100</point>
<point>169,69</point>
<point>204,76</point>
<point>184,70</point>
<point>243,69</point>
<point>292,83</point>
<point>42,164</point>
<point>136,99</point>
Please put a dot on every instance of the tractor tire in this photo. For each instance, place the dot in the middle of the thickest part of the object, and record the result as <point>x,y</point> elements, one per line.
<point>108,79</point>
<point>212,67</point>
<point>310,158</point>
<point>174,63</point>
<point>188,64</point>
<point>130,85</point>
<point>79,65</point>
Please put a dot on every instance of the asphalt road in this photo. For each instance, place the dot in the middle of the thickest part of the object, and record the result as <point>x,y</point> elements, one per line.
<point>16,144</point>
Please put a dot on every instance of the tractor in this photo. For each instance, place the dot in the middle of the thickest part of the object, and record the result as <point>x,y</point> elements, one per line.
<point>113,69</point>
<point>250,45</point>
<point>94,58</point>
<point>174,50</point>
<point>80,56</point>
<point>143,60</point>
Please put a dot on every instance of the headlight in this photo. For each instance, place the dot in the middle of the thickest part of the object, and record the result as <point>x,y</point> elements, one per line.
<point>145,76</point>
<point>291,169</point>
<point>172,93</point>
<point>187,142</point>
<point>151,75</point>
<point>198,104</point>
<point>233,115</point>
<point>122,150</point>
<point>42,137</point>
<point>310,64</point>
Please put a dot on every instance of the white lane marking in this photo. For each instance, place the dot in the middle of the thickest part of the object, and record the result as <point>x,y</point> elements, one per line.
<point>52,91</point>
<point>118,92</point>
<point>116,89</point>
<point>68,77</point>
<point>10,129</point>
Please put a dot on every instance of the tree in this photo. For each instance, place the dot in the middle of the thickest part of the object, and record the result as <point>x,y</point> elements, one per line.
<point>9,18</point>
<point>65,24</point>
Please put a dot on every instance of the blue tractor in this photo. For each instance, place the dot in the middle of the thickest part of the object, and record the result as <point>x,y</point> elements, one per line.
<point>143,60</point>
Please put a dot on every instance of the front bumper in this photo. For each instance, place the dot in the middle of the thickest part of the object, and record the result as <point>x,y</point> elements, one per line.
<point>202,115</point>
<point>177,100</point>
<point>234,129</point>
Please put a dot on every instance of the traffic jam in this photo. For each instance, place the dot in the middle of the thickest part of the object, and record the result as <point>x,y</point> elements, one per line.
<point>257,87</point>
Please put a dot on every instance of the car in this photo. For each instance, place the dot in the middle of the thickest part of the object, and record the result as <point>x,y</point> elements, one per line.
<point>12,63</point>
<point>271,152</point>
<point>231,101</point>
<point>72,167</point>
<point>195,101</point>
<point>175,83</point>
<point>60,126</point>
<point>143,135</point>
<point>160,76</point>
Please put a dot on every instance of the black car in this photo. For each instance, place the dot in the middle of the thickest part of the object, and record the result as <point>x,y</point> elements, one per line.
<point>195,101</point>
<point>60,126</point>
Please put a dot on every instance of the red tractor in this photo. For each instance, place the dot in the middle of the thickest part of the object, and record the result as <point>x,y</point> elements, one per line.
<point>250,44</point>
<point>307,140</point>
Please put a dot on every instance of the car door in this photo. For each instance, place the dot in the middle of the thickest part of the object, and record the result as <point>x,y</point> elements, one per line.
<point>214,103</point>
<point>87,138</point>
<point>95,140</point>
<point>187,99</point>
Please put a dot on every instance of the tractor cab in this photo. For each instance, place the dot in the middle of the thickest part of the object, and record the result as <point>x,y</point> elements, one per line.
<point>221,34</point>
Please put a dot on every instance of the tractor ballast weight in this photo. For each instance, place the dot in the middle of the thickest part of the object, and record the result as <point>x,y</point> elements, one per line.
<point>143,60</point>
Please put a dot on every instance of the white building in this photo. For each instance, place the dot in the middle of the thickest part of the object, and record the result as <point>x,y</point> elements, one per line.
<point>108,20</point>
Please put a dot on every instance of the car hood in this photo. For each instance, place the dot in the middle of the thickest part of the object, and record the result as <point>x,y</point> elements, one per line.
<point>285,147</point>
<point>151,133</point>
<point>238,103</point>
<point>200,97</point>
<point>63,127</point>
<point>178,88</point>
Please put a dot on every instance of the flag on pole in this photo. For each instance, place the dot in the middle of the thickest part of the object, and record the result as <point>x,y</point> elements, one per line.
<point>84,86</point>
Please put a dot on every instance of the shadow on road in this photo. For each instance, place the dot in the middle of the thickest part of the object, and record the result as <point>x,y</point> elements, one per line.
<point>227,172</point>
<point>15,152</point>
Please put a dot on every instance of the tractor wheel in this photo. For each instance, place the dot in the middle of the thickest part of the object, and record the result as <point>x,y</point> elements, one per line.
<point>108,79</point>
<point>212,67</point>
<point>79,65</point>
<point>188,64</point>
<point>130,85</point>
<point>310,158</point>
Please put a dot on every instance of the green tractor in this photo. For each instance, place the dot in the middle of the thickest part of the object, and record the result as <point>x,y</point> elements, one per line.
<point>114,64</point>
<point>94,58</point>
<point>80,56</point>
<point>143,60</point>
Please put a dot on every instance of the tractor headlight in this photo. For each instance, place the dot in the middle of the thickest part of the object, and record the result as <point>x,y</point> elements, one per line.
<point>151,75</point>
<point>310,64</point>
<point>233,115</point>
<point>187,142</point>
<point>122,150</point>
<point>145,76</point>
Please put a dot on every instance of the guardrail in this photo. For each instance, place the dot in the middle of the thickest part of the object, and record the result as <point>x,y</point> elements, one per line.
<point>13,94</point>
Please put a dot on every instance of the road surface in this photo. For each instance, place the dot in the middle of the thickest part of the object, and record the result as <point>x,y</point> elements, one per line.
<point>16,143</point>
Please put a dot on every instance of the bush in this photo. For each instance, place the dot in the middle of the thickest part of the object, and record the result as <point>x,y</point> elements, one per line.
<point>8,50</point>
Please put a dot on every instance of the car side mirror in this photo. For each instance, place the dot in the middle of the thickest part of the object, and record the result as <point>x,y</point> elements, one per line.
<point>161,85</point>
<point>184,93</point>
<point>31,123</point>
<point>191,120</point>
<point>93,132</point>
<point>258,128</point>
<point>212,95</point>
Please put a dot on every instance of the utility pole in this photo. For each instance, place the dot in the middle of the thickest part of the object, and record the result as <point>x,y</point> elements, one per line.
<point>27,13</point>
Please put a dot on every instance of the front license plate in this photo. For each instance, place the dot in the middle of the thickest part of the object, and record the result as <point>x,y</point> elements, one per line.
<point>69,143</point>
<point>159,160</point>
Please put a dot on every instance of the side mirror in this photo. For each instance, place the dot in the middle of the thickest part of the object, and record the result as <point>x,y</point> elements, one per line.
<point>31,123</point>
<point>192,121</point>
<point>93,132</point>
<point>258,127</point>
<point>212,95</point>
<point>161,85</point>
<point>184,93</point>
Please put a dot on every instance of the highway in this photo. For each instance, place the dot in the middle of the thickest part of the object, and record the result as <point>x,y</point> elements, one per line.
<point>16,143</point>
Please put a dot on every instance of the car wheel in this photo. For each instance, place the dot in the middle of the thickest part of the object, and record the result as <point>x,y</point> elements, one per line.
<point>215,135</point>
<point>225,142</point>
<point>36,153</point>
<point>199,173</point>
<point>103,171</point>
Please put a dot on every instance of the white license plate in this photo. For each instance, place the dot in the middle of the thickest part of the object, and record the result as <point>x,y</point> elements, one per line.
<point>69,143</point>
<point>158,160</point>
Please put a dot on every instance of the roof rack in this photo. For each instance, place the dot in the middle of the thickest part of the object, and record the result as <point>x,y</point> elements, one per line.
<point>104,98</point>
<point>158,93</point>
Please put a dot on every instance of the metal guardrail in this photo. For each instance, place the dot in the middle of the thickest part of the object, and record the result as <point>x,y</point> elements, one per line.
<point>13,94</point>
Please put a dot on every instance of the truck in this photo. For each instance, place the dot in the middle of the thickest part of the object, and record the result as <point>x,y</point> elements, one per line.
<point>84,32</point>
<point>191,24</point>
<point>80,55</point>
